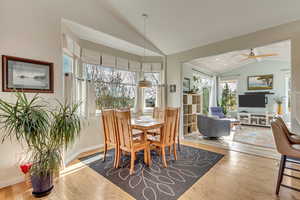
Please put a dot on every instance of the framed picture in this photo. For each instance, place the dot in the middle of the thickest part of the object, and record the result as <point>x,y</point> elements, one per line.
<point>173,88</point>
<point>186,85</point>
<point>26,75</point>
<point>260,82</point>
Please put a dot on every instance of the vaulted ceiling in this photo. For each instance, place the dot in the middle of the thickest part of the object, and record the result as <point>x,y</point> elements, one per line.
<point>236,59</point>
<point>179,25</point>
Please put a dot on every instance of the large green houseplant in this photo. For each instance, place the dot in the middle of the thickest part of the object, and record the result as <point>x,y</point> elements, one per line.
<point>45,131</point>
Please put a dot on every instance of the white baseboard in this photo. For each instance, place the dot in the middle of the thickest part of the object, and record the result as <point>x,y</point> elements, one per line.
<point>75,154</point>
<point>13,181</point>
<point>19,179</point>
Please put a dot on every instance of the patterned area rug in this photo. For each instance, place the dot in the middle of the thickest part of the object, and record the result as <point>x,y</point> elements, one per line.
<point>157,182</point>
<point>258,136</point>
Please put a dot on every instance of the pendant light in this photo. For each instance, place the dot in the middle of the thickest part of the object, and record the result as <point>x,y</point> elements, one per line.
<point>144,83</point>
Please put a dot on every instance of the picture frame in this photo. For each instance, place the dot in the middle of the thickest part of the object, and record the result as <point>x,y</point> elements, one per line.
<point>260,82</point>
<point>172,88</point>
<point>26,75</point>
<point>186,85</point>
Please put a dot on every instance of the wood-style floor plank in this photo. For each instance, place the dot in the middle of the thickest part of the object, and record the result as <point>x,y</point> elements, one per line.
<point>237,176</point>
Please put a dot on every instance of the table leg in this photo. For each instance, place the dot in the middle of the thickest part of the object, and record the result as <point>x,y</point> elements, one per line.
<point>144,138</point>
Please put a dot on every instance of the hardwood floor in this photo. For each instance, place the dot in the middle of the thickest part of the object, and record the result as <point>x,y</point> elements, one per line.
<point>237,176</point>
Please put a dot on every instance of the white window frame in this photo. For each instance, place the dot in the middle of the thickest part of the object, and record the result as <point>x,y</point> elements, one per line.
<point>117,69</point>
<point>221,91</point>
<point>148,110</point>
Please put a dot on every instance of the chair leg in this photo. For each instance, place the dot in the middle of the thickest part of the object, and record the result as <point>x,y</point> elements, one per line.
<point>178,143</point>
<point>132,159</point>
<point>116,157</point>
<point>163,156</point>
<point>175,151</point>
<point>105,151</point>
<point>119,158</point>
<point>280,173</point>
<point>146,156</point>
<point>149,156</point>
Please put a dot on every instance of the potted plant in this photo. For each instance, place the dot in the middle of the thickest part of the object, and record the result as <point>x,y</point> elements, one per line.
<point>279,101</point>
<point>45,133</point>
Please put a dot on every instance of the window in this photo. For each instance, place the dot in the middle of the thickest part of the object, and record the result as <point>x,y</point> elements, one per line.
<point>228,95</point>
<point>150,94</point>
<point>114,88</point>
<point>288,92</point>
<point>67,63</point>
<point>202,84</point>
<point>80,93</point>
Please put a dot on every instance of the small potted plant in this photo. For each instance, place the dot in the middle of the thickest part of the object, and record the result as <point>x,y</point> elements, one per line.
<point>45,132</point>
<point>279,101</point>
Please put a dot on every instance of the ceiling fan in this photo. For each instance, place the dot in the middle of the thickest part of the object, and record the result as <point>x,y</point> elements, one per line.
<point>252,55</point>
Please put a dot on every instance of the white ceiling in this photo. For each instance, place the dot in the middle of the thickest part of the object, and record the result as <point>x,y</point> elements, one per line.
<point>178,25</point>
<point>98,37</point>
<point>232,60</point>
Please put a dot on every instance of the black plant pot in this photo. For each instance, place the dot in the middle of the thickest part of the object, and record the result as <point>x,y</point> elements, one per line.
<point>42,185</point>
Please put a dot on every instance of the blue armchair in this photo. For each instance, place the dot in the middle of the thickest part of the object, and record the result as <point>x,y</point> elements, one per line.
<point>217,111</point>
<point>211,127</point>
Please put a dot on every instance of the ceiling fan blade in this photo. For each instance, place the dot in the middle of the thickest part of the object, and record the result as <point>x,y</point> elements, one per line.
<point>245,59</point>
<point>267,55</point>
<point>245,55</point>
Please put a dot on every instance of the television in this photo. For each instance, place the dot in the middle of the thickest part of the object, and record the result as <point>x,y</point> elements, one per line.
<point>252,101</point>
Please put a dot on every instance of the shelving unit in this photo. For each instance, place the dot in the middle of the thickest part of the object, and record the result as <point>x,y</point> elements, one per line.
<point>191,107</point>
<point>256,119</point>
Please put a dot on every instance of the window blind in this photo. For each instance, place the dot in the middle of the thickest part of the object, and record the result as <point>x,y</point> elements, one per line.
<point>146,67</point>
<point>122,63</point>
<point>134,66</point>
<point>108,60</point>
<point>90,57</point>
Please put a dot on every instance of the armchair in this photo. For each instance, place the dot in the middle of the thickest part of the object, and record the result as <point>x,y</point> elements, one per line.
<point>217,111</point>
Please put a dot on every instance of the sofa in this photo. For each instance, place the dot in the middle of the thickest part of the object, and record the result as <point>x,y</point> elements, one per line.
<point>213,127</point>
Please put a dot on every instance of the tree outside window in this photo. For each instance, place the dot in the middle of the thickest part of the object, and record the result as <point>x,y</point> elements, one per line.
<point>202,85</point>
<point>150,94</point>
<point>229,96</point>
<point>114,88</point>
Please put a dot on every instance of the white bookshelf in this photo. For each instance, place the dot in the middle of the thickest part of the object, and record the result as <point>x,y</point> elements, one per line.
<point>192,105</point>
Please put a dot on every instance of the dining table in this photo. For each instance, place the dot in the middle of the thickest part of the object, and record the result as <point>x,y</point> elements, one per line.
<point>145,124</point>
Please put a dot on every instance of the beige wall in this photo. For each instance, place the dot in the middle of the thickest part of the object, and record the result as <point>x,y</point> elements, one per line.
<point>279,33</point>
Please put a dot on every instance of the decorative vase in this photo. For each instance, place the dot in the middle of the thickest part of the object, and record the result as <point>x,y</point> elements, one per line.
<point>279,109</point>
<point>42,185</point>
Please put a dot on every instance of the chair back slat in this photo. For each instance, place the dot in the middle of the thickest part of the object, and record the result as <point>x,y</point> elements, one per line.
<point>109,128</point>
<point>158,113</point>
<point>169,130</point>
<point>123,122</point>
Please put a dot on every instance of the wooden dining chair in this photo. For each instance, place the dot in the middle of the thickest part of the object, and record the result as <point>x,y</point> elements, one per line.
<point>126,141</point>
<point>110,135</point>
<point>293,138</point>
<point>177,128</point>
<point>289,153</point>
<point>158,114</point>
<point>168,134</point>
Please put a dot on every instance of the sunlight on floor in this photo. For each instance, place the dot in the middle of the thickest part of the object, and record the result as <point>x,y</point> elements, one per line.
<point>252,140</point>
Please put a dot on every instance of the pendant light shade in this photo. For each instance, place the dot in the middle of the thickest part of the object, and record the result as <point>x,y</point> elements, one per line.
<point>144,83</point>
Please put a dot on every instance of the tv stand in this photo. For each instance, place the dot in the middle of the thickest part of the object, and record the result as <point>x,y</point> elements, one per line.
<point>256,119</point>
